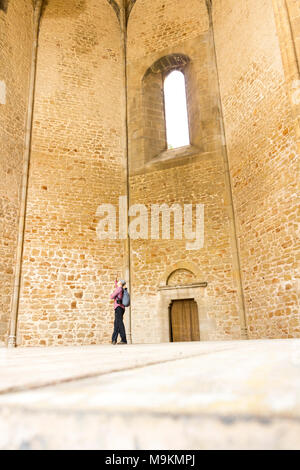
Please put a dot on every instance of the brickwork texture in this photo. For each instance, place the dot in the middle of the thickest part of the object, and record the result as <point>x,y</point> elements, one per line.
<point>98,133</point>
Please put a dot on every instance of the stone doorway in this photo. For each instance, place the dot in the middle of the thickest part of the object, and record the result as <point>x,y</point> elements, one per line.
<point>184,321</point>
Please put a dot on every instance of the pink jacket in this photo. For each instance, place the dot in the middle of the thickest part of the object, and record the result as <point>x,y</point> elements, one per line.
<point>117,294</point>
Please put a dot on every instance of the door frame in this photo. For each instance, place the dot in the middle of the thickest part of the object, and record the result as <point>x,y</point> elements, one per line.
<point>170,323</point>
<point>197,292</point>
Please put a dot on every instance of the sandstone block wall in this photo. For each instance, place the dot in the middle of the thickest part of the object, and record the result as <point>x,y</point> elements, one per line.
<point>246,67</point>
<point>77,163</point>
<point>156,29</point>
<point>264,165</point>
<point>16,28</point>
<point>294,15</point>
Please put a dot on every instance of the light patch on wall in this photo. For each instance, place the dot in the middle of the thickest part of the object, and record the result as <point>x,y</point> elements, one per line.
<point>177,123</point>
<point>2,92</point>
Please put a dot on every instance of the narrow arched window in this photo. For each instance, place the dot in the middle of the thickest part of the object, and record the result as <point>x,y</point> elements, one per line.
<point>177,123</point>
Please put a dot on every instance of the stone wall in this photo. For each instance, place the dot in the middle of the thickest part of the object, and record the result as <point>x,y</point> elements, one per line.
<point>16,28</point>
<point>246,176</point>
<point>154,129</point>
<point>263,159</point>
<point>77,163</point>
<point>157,29</point>
<point>294,16</point>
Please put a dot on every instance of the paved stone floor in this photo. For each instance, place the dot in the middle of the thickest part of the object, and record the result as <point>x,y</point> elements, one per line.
<point>223,395</point>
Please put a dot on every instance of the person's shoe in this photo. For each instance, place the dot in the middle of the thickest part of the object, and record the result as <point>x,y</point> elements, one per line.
<point>114,343</point>
<point>122,342</point>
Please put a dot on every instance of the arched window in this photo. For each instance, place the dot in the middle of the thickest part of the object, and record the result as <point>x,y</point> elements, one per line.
<point>176,113</point>
<point>171,117</point>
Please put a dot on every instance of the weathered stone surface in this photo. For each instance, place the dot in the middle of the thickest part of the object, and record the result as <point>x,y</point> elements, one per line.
<point>16,29</point>
<point>159,30</point>
<point>243,63</point>
<point>232,395</point>
<point>264,163</point>
<point>77,164</point>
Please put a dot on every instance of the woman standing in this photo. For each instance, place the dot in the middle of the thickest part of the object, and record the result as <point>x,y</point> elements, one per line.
<point>119,327</point>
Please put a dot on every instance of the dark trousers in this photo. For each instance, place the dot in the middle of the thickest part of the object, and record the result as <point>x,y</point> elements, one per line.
<point>119,328</point>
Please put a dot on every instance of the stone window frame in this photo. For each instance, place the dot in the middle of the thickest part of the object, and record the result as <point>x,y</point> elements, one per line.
<point>155,135</point>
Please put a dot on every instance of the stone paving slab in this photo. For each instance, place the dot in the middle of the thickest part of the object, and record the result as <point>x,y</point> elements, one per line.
<point>23,368</point>
<point>237,395</point>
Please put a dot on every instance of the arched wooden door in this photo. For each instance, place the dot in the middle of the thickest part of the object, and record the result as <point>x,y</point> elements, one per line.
<point>184,321</point>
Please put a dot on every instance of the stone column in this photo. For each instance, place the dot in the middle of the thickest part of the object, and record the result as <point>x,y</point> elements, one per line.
<point>24,188</point>
<point>229,196</point>
<point>127,262</point>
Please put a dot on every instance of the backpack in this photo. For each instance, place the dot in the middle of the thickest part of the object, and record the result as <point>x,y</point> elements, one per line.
<point>126,298</point>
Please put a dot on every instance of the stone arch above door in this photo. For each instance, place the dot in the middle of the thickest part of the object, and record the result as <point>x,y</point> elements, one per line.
<point>181,277</point>
<point>181,272</point>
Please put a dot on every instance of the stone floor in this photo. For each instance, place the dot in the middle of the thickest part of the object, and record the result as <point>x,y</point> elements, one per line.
<point>224,395</point>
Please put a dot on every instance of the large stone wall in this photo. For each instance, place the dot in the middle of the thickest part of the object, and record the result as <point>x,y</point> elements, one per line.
<point>155,26</point>
<point>246,177</point>
<point>293,7</point>
<point>16,28</point>
<point>77,163</point>
<point>157,29</point>
<point>264,165</point>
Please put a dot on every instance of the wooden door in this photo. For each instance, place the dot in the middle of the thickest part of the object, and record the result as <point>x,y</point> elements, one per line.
<point>184,321</point>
